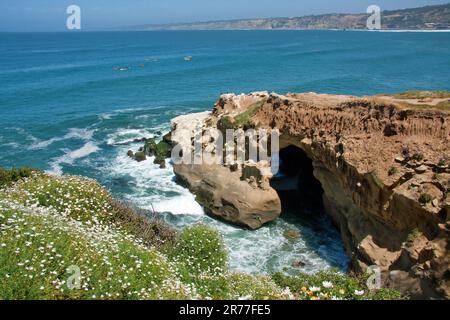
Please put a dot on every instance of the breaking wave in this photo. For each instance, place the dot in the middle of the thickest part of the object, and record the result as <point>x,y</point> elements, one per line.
<point>71,155</point>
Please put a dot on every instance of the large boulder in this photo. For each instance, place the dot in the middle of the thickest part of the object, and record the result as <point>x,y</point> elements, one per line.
<point>224,194</point>
<point>238,194</point>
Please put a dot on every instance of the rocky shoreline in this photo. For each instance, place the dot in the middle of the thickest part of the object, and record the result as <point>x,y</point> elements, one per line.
<point>381,165</point>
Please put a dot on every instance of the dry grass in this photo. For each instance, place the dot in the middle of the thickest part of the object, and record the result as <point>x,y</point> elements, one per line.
<point>145,225</point>
<point>421,94</point>
<point>442,106</point>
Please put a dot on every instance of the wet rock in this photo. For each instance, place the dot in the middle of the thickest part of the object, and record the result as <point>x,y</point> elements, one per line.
<point>168,138</point>
<point>292,234</point>
<point>140,156</point>
<point>150,147</point>
<point>160,160</point>
<point>298,264</point>
<point>130,153</point>
<point>160,151</point>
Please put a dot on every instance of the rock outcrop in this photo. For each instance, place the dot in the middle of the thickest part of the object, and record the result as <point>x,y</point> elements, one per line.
<point>161,151</point>
<point>224,192</point>
<point>383,166</point>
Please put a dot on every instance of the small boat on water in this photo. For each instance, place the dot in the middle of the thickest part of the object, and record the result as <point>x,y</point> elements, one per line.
<point>188,58</point>
<point>121,68</point>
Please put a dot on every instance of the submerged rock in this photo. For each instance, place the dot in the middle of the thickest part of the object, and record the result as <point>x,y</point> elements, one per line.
<point>292,234</point>
<point>298,264</point>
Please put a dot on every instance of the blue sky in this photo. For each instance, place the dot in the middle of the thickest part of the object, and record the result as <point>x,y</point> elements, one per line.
<point>50,15</point>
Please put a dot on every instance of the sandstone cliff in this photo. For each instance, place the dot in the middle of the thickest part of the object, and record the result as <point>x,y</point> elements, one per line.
<point>383,165</point>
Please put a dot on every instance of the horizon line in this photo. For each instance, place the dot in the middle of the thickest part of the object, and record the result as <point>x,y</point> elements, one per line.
<point>174,24</point>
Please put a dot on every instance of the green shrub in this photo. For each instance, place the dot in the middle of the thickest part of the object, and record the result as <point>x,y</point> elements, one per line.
<point>201,259</point>
<point>330,285</point>
<point>244,118</point>
<point>253,287</point>
<point>418,156</point>
<point>149,147</point>
<point>392,171</point>
<point>49,224</point>
<point>153,231</point>
<point>425,198</point>
<point>444,105</point>
<point>39,247</point>
<point>413,235</point>
<point>161,149</point>
<point>200,249</point>
<point>7,177</point>
<point>80,198</point>
<point>422,94</point>
<point>226,122</point>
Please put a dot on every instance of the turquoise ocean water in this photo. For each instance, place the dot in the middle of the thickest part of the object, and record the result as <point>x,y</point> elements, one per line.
<point>66,108</point>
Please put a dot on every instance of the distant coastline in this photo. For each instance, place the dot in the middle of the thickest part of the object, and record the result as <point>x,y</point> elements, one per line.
<point>434,18</point>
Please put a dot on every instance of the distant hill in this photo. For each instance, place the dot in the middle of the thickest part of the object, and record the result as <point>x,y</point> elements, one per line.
<point>425,18</point>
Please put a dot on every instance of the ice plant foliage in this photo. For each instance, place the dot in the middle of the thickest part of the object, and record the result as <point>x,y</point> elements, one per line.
<point>61,238</point>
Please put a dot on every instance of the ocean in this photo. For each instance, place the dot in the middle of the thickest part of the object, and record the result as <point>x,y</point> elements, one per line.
<point>73,103</point>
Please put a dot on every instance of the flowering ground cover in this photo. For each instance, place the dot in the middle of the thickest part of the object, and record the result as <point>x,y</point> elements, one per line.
<point>68,238</point>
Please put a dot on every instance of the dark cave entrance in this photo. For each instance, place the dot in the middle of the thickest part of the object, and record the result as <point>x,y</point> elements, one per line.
<point>299,190</point>
<point>303,212</point>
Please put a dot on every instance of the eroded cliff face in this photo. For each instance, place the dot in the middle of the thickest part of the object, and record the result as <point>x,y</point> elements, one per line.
<point>383,166</point>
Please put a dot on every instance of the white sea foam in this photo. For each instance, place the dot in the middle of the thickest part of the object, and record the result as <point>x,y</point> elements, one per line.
<point>84,151</point>
<point>165,196</point>
<point>124,136</point>
<point>267,250</point>
<point>13,145</point>
<point>109,115</point>
<point>105,116</point>
<point>73,133</point>
<point>45,68</point>
<point>250,250</point>
<point>71,155</point>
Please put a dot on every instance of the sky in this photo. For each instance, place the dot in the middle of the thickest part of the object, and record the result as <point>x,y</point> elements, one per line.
<point>50,15</point>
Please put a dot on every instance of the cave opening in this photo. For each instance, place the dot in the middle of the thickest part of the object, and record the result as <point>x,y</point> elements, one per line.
<point>310,233</point>
<point>299,190</point>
